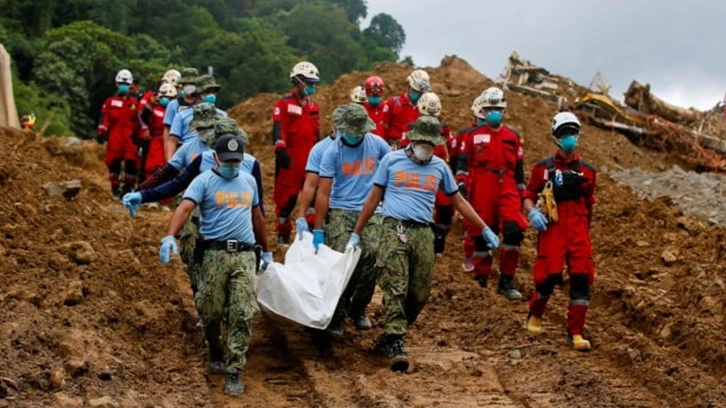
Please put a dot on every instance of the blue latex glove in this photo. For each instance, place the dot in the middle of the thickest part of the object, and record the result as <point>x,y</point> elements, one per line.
<point>266,260</point>
<point>537,220</point>
<point>354,241</point>
<point>132,201</point>
<point>301,225</point>
<point>168,245</point>
<point>318,238</point>
<point>490,237</point>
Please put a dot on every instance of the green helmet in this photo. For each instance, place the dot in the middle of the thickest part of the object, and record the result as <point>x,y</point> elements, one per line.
<point>426,129</point>
<point>228,126</point>
<point>204,116</point>
<point>353,119</point>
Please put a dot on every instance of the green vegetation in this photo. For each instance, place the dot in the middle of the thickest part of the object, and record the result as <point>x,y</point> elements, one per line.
<point>67,52</point>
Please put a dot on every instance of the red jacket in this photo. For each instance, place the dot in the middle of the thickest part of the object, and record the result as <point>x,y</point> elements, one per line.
<point>398,114</point>
<point>376,114</point>
<point>483,148</point>
<point>295,125</point>
<point>119,117</point>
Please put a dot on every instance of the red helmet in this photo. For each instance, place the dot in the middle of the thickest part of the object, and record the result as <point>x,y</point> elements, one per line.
<point>374,86</point>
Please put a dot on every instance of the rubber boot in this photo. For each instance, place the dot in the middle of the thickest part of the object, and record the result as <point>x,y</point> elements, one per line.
<point>362,322</point>
<point>215,359</point>
<point>482,281</point>
<point>578,343</point>
<point>233,385</point>
<point>506,288</point>
<point>533,324</point>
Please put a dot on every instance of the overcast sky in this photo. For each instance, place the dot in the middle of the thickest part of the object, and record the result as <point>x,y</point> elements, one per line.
<point>678,46</point>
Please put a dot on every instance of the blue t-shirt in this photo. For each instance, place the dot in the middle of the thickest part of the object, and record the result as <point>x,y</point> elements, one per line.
<point>352,170</point>
<point>188,152</point>
<point>172,109</point>
<point>247,165</point>
<point>410,188</point>
<point>181,125</point>
<point>226,206</point>
<point>316,155</point>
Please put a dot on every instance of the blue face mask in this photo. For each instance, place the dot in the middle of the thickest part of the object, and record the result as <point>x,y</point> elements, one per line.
<point>182,94</point>
<point>229,170</point>
<point>568,143</point>
<point>374,100</point>
<point>123,89</point>
<point>164,101</point>
<point>494,118</point>
<point>351,140</point>
<point>309,90</point>
<point>481,122</point>
<point>414,96</point>
<point>210,98</point>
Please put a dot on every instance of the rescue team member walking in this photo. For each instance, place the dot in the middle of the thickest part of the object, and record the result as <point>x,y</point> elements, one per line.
<point>295,129</point>
<point>346,178</point>
<point>231,223</point>
<point>374,102</point>
<point>185,100</point>
<point>406,180</point>
<point>564,238</point>
<point>491,167</point>
<point>399,112</point>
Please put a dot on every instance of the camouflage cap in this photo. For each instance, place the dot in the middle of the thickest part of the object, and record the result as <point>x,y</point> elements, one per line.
<point>353,119</point>
<point>204,116</point>
<point>188,75</point>
<point>206,83</point>
<point>228,126</point>
<point>426,129</point>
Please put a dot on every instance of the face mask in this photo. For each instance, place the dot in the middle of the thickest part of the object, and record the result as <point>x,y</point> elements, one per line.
<point>204,134</point>
<point>374,100</point>
<point>494,118</point>
<point>229,170</point>
<point>423,151</point>
<point>568,143</point>
<point>309,90</point>
<point>351,140</point>
<point>123,89</point>
<point>481,122</point>
<point>210,98</point>
<point>182,94</point>
<point>414,96</point>
<point>164,101</point>
<point>188,89</point>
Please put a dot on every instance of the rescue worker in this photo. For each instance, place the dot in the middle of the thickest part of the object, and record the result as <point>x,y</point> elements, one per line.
<point>406,181</point>
<point>185,100</point>
<point>399,112</point>
<point>566,240</point>
<point>231,223</point>
<point>295,130</point>
<point>28,121</point>
<point>374,102</point>
<point>358,95</point>
<point>119,123</point>
<point>491,170</point>
<point>346,178</point>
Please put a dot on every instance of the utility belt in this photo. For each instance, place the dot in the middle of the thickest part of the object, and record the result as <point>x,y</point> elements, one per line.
<point>230,245</point>
<point>500,172</point>
<point>406,223</point>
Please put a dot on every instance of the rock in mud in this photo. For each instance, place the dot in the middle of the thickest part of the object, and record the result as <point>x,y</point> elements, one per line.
<point>80,252</point>
<point>61,400</point>
<point>74,294</point>
<point>76,367</point>
<point>103,402</point>
<point>668,257</point>
<point>68,189</point>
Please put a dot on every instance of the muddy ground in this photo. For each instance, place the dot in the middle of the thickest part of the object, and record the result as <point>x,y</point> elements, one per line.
<point>91,318</point>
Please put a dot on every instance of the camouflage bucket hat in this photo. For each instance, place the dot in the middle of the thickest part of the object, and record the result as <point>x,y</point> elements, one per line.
<point>426,129</point>
<point>188,76</point>
<point>353,119</point>
<point>228,126</point>
<point>205,83</point>
<point>204,116</point>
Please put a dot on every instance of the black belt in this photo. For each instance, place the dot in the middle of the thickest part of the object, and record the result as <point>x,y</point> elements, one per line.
<point>406,223</point>
<point>230,245</point>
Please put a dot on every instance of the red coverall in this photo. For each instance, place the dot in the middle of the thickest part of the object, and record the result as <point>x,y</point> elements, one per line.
<point>120,120</point>
<point>155,157</point>
<point>491,164</point>
<point>376,114</point>
<point>398,114</point>
<point>566,241</point>
<point>296,127</point>
<point>454,151</point>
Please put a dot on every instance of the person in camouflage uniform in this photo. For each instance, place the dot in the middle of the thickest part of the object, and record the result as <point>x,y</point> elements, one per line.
<point>346,176</point>
<point>231,222</point>
<point>406,181</point>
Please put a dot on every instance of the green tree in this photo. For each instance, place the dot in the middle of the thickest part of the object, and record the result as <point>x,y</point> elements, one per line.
<point>385,30</point>
<point>355,9</point>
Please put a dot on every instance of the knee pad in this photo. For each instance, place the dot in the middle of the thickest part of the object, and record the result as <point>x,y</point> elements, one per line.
<point>130,167</point>
<point>512,234</point>
<point>289,207</point>
<point>579,287</point>
<point>480,245</point>
<point>544,290</point>
<point>115,167</point>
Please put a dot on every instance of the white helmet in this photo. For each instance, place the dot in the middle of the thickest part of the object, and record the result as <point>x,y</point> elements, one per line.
<point>358,94</point>
<point>305,71</point>
<point>565,122</point>
<point>493,98</point>
<point>477,106</point>
<point>429,104</point>
<point>124,77</point>
<point>171,76</point>
<point>419,80</point>
<point>167,89</point>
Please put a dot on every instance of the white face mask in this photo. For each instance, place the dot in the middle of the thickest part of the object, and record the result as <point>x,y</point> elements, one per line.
<point>189,89</point>
<point>423,151</point>
<point>204,134</point>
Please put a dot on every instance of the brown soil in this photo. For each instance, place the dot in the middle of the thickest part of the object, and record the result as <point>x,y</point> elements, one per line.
<point>89,312</point>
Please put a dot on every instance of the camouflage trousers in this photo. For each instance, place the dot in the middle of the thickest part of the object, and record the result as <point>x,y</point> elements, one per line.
<point>227,285</point>
<point>407,264</point>
<point>187,246</point>
<point>359,292</point>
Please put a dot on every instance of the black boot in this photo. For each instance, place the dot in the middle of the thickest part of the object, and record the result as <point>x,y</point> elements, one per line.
<point>506,288</point>
<point>233,385</point>
<point>215,359</point>
<point>399,359</point>
<point>482,281</point>
<point>439,244</point>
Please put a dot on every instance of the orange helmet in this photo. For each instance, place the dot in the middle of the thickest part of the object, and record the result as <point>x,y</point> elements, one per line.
<point>374,86</point>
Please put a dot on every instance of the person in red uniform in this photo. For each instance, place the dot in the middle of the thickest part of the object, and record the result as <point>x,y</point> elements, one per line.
<point>153,117</point>
<point>119,123</point>
<point>399,112</point>
<point>567,240</point>
<point>491,171</point>
<point>295,129</point>
<point>374,102</point>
